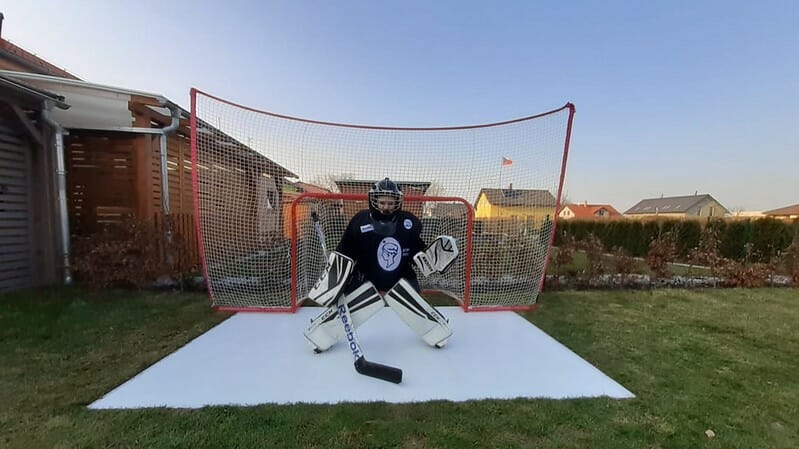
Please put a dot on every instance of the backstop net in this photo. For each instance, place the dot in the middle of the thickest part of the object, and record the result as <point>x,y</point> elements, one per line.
<point>257,177</point>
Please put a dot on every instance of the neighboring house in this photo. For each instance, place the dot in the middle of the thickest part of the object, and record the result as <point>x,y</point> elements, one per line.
<point>587,211</point>
<point>689,206</point>
<point>784,213</point>
<point>746,214</point>
<point>304,187</point>
<point>514,203</point>
<point>292,191</point>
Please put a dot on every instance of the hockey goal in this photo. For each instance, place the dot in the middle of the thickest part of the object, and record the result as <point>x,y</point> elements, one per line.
<point>257,176</point>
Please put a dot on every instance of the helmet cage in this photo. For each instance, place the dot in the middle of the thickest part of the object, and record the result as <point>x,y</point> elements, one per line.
<point>385,188</point>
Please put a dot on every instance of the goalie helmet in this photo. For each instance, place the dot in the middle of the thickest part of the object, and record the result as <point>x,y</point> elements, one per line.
<point>383,214</point>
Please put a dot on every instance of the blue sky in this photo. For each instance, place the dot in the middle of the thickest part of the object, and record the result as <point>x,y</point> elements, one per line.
<point>672,97</point>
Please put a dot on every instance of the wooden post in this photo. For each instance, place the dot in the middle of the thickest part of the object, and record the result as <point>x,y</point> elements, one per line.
<point>143,157</point>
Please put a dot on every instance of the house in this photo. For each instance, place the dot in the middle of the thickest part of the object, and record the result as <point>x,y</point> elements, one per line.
<point>587,211</point>
<point>76,155</point>
<point>784,213</point>
<point>513,210</point>
<point>31,241</point>
<point>746,214</point>
<point>291,192</point>
<point>128,153</point>
<point>514,203</point>
<point>689,206</point>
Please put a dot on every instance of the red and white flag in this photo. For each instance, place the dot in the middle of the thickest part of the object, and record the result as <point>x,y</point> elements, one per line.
<point>506,161</point>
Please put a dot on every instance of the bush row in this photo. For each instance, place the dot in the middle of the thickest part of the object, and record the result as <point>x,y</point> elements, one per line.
<point>757,240</point>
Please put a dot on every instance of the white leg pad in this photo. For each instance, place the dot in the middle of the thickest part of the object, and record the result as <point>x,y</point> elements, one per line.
<point>420,316</point>
<point>326,329</point>
<point>327,287</point>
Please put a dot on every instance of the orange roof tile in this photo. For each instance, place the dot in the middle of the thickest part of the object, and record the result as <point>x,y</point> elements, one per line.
<point>590,210</point>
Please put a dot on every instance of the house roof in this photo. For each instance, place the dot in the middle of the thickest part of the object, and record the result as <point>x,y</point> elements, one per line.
<point>30,61</point>
<point>590,210</point>
<point>670,205</point>
<point>94,106</point>
<point>101,107</point>
<point>518,197</point>
<point>787,210</point>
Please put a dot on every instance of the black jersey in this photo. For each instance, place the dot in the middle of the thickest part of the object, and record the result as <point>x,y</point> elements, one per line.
<point>383,259</point>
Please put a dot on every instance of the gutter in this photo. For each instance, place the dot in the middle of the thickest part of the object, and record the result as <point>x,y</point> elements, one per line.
<point>175,109</point>
<point>61,175</point>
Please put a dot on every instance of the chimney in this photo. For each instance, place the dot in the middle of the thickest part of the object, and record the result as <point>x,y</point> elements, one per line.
<point>585,203</point>
<point>510,186</point>
<point>1,24</point>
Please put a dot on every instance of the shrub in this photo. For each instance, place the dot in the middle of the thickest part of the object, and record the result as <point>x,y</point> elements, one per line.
<point>623,262</point>
<point>790,260</point>
<point>565,254</point>
<point>594,249</point>
<point>706,253</point>
<point>662,251</point>
<point>738,274</point>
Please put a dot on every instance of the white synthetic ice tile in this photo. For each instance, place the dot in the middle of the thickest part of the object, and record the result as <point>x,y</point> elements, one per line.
<point>258,358</point>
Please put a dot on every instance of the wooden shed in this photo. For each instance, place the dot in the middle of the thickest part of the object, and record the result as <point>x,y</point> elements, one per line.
<point>113,140</point>
<point>29,226</point>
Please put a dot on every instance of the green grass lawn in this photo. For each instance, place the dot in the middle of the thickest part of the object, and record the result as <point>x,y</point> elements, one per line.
<point>724,360</point>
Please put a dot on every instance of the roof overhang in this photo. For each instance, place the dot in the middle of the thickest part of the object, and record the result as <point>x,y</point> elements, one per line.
<point>17,92</point>
<point>93,106</point>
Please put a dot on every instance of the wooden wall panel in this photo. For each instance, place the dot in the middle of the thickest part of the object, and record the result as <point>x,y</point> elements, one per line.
<point>101,177</point>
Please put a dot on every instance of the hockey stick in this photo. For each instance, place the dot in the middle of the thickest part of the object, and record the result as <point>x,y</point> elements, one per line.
<point>362,366</point>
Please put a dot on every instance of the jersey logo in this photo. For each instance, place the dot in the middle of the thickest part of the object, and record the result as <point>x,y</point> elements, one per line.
<point>407,223</point>
<point>366,228</point>
<point>389,254</point>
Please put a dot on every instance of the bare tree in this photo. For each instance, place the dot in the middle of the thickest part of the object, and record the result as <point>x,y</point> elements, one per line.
<point>436,189</point>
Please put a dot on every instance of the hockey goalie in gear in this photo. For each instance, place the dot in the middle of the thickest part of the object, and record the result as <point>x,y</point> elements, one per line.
<point>325,330</point>
<point>420,316</point>
<point>329,285</point>
<point>438,256</point>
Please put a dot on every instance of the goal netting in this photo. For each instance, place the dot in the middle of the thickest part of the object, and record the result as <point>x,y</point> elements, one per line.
<point>258,176</point>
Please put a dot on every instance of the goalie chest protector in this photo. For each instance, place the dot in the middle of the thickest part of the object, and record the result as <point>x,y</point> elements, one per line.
<point>383,259</point>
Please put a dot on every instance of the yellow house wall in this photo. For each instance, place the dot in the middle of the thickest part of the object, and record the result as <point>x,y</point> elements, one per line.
<point>485,209</point>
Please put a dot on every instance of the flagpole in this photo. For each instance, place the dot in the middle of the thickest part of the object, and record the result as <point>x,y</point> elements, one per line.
<point>500,173</point>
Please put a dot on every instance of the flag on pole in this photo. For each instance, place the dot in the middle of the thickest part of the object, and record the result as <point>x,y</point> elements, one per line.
<point>506,161</point>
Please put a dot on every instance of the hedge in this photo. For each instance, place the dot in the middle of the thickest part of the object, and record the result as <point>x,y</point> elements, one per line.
<point>751,240</point>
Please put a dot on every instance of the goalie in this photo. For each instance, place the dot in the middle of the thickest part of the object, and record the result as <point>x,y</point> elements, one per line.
<point>375,255</point>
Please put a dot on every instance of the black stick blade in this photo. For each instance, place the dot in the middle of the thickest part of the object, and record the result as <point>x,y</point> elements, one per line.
<point>378,370</point>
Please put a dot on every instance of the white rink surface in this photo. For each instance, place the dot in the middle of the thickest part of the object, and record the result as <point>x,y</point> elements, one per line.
<point>263,358</point>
